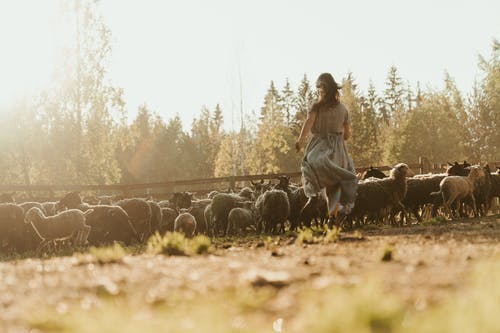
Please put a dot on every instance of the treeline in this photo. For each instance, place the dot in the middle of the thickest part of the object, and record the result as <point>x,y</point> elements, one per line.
<point>78,131</point>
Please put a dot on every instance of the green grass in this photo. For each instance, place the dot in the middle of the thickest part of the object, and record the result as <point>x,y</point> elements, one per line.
<point>109,254</point>
<point>317,235</point>
<point>388,253</point>
<point>176,244</point>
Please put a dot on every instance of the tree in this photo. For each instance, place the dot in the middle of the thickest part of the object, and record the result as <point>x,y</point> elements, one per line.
<point>287,102</point>
<point>79,97</point>
<point>271,142</point>
<point>394,111</point>
<point>352,101</point>
<point>370,135</point>
<point>485,108</point>
<point>303,100</point>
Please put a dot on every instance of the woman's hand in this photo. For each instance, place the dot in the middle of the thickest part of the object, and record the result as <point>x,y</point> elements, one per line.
<point>298,146</point>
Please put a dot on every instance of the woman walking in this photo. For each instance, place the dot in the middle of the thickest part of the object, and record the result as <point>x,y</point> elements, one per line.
<point>326,163</point>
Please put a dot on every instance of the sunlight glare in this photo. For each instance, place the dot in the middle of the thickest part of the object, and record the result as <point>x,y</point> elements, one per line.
<point>28,47</point>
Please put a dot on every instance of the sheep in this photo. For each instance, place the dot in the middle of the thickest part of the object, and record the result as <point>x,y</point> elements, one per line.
<point>221,205</point>
<point>156,216</point>
<point>372,172</point>
<point>297,200</point>
<point>7,198</point>
<point>198,211</point>
<point>381,195</point>
<point>140,214</point>
<point>273,209</point>
<point>495,186</point>
<point>11,225</point>
<point>69,224</point>
<point>482,192</point>
<point>109,224</point>
<point>260,187</point>
<point>240,219</point>
<point>185,223</point>
<point>49,208</point>
<point>182,199</point>
<point>72,200</point>
<point>455,188</point>
<point>419,189</point>
<point>109,199</point>
<point>29,204</point>
<point>209,220</point>
<point>247,192</point>
<point>457,169</point>
<point>168,216</point>
<point>212,194</point>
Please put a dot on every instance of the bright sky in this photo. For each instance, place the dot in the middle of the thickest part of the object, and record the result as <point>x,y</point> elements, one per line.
<point>176,56</point>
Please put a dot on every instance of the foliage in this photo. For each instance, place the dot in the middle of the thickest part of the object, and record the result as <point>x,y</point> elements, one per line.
<point>78,130</point>
<point>176,244</point>
<point>108,255</point>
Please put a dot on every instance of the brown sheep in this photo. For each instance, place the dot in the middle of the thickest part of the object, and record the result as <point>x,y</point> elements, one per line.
<point>454,189</point>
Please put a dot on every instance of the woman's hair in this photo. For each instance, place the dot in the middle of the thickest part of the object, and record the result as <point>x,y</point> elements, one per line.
<point>331,88</point>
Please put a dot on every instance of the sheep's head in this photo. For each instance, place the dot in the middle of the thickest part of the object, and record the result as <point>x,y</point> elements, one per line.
<point>476,172</point>
<point>246,192</point>
<point>7,197</point>
<point>401,170</point>
<point>33,214</point>
<point>458,169</point>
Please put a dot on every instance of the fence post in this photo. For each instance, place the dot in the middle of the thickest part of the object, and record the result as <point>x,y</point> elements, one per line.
<point>232,183</point>
<point>425,165</point>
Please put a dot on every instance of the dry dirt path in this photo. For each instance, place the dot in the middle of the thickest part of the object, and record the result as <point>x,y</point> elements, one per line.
<point>429,264</point>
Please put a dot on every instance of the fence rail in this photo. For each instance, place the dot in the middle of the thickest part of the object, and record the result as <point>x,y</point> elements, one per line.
<point>168,187</point>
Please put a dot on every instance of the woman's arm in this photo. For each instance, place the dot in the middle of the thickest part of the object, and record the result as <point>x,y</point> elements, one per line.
<point>347,131</point>
<point>306,129</point>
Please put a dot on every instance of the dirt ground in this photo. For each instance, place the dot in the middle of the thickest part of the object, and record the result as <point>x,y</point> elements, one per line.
<point>426,265</point>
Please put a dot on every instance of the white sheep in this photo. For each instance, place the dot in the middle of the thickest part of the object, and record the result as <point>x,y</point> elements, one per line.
<point>69,224</point>
<point>454,189</point>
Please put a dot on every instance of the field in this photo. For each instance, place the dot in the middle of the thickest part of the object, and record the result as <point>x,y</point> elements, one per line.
<point>435,277</point>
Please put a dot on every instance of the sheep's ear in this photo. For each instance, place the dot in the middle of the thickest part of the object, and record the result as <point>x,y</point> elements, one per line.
<point>450,163</point>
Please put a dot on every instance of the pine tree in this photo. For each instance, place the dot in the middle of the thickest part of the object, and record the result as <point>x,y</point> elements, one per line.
<point>271,142</point>
<point>371,129</point>
<point>303,100</point>
<point>287,102</point>
<point>394,98</point>
<point>352,101</point>
<point>488,106</point>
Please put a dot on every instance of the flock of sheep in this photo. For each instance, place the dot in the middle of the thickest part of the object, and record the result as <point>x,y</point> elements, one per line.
<point>268,207</point>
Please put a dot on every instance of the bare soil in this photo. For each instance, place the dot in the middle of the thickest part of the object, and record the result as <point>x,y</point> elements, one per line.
<point>427,264</point>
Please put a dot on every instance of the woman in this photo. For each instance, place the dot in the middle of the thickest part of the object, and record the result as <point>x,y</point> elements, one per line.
<point>326,163</point>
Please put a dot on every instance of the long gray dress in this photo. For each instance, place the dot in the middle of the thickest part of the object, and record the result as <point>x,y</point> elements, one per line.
<point>326,162</point>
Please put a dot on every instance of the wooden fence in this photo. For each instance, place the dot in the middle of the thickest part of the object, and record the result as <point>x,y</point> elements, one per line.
<point>164,189</point>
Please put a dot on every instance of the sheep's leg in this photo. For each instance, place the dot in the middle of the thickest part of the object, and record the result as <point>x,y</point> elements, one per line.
<point>448,203</point>
<point>41,246</point>
<point>86,233</point>
<point>228,229</point>
<point>474,204</point>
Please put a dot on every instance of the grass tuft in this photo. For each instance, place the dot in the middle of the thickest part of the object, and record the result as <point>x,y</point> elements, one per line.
<point>109,254</point>
<point>176,244</point>
<point>388,253</point>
